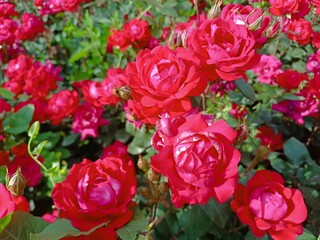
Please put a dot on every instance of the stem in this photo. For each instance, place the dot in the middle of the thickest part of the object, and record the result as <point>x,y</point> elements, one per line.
<point>144,11</point>
<point>38,162</point>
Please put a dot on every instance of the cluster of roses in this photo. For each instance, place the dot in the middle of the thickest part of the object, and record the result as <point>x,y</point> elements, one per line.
<point>15,28</point>
<point>135,33</point>
<point>53,6</point>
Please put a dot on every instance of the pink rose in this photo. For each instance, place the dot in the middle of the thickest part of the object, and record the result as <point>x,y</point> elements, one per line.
<point>87,119</point>
<point>269,207</point>
<point>198,159</point>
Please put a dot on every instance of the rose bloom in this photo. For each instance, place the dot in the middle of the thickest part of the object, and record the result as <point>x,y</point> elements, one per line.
<point>269,138</point>
<point>7,10</point>
<point>248,16</point>
<point>62,105</point>
<point>313,64</point>
<point>8,28</point>
<point>297,109</point>
<point>40,80</point>
<point>30,27</point>
<point>313,86</point>
<point>139,32</point>
<point>226,50</point>
<point>116,149</point>
<point>16,72</point>
<point>296,8</point>
<point>50,217</point>
<point>290,79</point>
<point>97,192</point>
<point>87,119</point>
<point>269,207</point>
<point>316,4</point>
<point>10,203</point>
<point>268,68</point>
<point>299,30</point>
<point>197,158</point>
<point>119,39</point>
<point>163,80</point>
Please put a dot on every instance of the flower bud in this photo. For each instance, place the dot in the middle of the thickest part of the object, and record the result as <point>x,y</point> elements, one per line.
<point>242,131</point>
<point>273,30</point>
<point>174,40</point>
<point>16,183</point>
<point>163,187</point>
<point>215,10</point>
<point>152,175</point>
<point>143,164</point>
<point>123,92</point>
<point>257,23</point>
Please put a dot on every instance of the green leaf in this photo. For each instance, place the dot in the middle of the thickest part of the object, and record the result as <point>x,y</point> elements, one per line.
<point>22,224</point>
<point>136,225</point>
<point>218,213</point>
<point>70,139</point>
<point>195,222</point>
<point>250,236</point>
<point>307,235</point>
<point>34,130</point>
<point>5,221</point>
<point>38,149</point>
<point>18,122</point>
<point>245,89</point>
<point>296,151</point>
<point>6,94</point>
<point>61,228</point>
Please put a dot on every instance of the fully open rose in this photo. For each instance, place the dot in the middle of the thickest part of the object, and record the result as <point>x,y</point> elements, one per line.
<point>163,80</point>
<point>199,160</point>
<point>269,207</point>
<point>97,192</point>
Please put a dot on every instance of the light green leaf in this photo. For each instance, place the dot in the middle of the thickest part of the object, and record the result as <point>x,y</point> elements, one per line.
<point>307,235</point>
<point>34,130</point>
<point>6,94</point>
<point>22,224</point>
<point>18,122</point>
<point>59,229</point>
<point>5,221</point>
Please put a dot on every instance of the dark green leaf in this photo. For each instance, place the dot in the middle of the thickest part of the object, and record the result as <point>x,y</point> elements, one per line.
<point>138,224</point>
<point>59,229</point>
<point>22,224</point>
<point>245,89</point>
<point>195,222</point>
<point>19,122</point>
<point>296,151</point>
<point>250,236</point>
<point>218,213</point>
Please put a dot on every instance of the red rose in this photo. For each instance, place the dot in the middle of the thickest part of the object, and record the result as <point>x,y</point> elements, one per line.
<point>296,8</point>
<point>269,138</point>
<point>31,25</point>
<point>198,159</point>
<point>97,192</point>
<point>62,105</point>
<point>8,28</point>
<point>290,79</point>
<point>139,32</point>
<point>116,149</point>
<point>10,203</point>
<point>7,10</point>
<point>226,50</point>
<point>119,39</point>
<point>299,30</point>
<point>163,80</point>
<point>4,157</point>
<point>269,207</point>
<point>253,18</point>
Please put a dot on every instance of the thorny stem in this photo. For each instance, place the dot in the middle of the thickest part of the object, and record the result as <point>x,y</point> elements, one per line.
<point>313,133</point>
